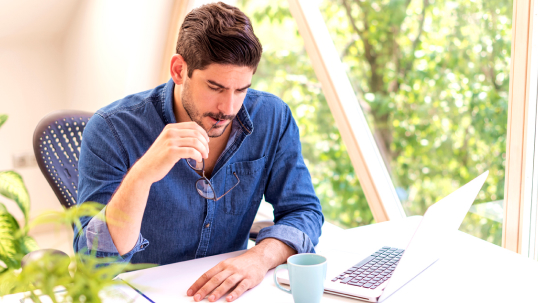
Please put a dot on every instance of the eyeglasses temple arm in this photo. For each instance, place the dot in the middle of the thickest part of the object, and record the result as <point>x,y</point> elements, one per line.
<point>230,188</point>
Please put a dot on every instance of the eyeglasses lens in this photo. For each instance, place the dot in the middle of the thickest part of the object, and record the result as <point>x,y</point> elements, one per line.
<point>204,189</point>
<point>195,165</point>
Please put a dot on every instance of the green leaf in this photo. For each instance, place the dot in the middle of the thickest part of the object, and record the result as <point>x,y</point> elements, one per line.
<point>28,244</point>
<point>3,119</point>
<point>9,250</point>
<point>12,187</point>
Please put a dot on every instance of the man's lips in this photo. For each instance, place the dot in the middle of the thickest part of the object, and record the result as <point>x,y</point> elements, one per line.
<point>214,121</point>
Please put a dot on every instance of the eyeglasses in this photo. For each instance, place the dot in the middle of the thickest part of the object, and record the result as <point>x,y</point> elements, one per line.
<point>203,185</point>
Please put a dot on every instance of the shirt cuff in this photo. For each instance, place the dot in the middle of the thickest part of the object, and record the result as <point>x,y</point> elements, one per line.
<point>289,235</point>
<point>98,238</point>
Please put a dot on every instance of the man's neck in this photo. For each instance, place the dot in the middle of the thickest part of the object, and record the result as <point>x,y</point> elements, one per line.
<point>179,111</point>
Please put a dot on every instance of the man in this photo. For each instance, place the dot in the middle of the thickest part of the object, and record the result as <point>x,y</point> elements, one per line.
<point>146,156</point>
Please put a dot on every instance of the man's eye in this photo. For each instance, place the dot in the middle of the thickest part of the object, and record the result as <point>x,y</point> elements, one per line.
<point>214,88</point>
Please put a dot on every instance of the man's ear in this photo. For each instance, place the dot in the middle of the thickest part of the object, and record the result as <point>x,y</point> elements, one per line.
<point>178,69</point>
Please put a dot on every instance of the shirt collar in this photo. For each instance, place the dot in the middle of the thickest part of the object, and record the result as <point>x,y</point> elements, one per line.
<point>167,97</point>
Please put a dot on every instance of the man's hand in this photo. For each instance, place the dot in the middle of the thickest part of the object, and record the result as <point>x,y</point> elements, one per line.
<point>176,141</point>
<point>240,273</point>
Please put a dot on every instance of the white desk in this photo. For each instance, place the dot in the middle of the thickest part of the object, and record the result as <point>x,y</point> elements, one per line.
<point>473,271</point>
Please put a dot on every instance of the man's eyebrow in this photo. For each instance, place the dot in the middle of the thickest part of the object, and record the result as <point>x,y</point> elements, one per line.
<point>224,87</point>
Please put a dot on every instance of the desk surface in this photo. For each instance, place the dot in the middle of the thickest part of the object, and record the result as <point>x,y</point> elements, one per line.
<point>472,270</point>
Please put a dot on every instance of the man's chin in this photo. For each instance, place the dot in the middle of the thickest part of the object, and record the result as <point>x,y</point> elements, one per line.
<point>218,131</point>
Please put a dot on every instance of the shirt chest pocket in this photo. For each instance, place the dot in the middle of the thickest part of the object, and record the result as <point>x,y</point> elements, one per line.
<point>249,191</point>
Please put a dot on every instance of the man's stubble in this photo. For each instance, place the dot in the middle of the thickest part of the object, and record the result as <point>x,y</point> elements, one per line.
<point>194,114</point>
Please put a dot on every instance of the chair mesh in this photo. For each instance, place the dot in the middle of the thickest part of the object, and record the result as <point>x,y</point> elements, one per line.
<point>57,142</point>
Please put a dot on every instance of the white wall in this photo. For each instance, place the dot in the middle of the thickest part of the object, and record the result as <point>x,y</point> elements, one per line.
<point>114,48</point>
<point>99,52</point>
<point>31,82</point>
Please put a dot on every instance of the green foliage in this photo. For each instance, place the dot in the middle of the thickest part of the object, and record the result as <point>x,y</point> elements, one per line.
<point>12,187</point>
<point>80,278</point>
<point>3,119</point>
<point>432,79</point>
<point>10,249</point>
<point>14,241</point>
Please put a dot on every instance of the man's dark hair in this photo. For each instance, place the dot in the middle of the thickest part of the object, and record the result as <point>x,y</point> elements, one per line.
<point>218,33</point>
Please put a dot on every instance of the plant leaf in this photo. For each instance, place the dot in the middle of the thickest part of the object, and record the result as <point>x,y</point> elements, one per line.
<point>9,250</point>
<point>12,187</point>
<point>3,119</point>
<point>28,244</point>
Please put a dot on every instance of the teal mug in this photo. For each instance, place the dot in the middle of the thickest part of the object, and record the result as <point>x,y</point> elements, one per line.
<point>307,275</point>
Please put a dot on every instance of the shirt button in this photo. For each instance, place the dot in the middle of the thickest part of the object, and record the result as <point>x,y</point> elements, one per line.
<point>207,225</point>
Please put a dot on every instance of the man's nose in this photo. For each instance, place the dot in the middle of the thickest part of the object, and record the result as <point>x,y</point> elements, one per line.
<point>226,103</point>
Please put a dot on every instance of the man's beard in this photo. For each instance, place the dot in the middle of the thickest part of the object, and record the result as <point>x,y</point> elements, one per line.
<point>194,114</point>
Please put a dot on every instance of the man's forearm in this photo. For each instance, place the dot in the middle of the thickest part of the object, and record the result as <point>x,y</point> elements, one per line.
<point>125,210</point>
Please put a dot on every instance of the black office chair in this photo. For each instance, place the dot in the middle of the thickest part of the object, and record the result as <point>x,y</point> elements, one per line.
<point>57,140</point>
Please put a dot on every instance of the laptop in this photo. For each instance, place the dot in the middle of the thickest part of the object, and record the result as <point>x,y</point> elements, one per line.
<point>386,270</point>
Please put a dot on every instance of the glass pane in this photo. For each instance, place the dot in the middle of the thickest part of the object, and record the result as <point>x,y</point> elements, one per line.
<point>432,78</point>
<point>285,70</point>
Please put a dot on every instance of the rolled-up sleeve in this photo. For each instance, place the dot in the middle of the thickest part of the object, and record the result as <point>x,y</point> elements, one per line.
<point>297,210</point>
<point>102,166</point>
<point>98,239</point>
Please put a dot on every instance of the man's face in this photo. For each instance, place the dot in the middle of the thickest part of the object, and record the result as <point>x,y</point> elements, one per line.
<point>215,93</point>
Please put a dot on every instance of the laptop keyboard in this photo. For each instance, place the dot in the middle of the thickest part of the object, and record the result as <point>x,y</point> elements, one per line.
<point>373,270</point>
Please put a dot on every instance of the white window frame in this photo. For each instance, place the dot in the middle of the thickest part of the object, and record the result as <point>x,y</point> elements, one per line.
<point>524,48</point>
<point>517,231</point>
<point>348,115</point>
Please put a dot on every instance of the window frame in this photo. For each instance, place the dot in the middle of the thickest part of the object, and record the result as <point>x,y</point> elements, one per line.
<point>519,224</point>
<point>348,115</point>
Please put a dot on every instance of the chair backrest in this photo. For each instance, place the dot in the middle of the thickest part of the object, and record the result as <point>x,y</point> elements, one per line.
<point>57,140</point>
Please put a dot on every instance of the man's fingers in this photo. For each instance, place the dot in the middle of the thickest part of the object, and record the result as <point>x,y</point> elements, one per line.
<point>201,281</point>
<point>193,143</point>
<point>174,133</point>
<point>189,153</point>
<point>239,290</point>
<point>189,125</point>
<point>191,133</point>
<point>225,287</point>
<point>213,283</point>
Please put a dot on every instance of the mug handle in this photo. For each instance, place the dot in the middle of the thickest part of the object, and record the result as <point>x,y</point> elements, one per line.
<point>281,266</point>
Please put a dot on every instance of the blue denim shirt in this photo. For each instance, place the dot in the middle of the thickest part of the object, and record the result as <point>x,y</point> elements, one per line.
<point>178,224</point>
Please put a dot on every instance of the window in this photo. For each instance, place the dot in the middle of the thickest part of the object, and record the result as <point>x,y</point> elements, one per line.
<point>432,78</point>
